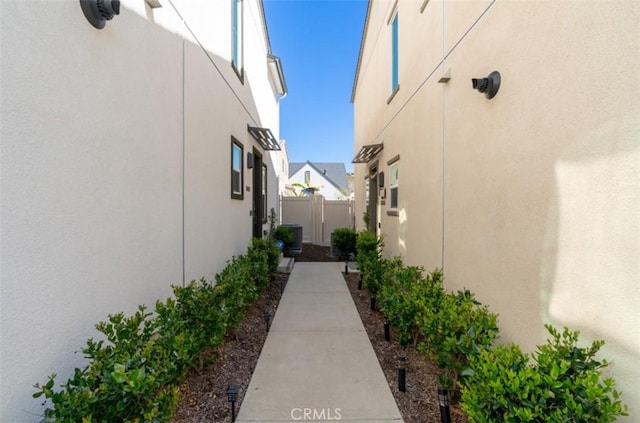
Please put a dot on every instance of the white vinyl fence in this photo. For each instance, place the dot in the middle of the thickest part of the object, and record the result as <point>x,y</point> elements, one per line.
<point>317,216</point>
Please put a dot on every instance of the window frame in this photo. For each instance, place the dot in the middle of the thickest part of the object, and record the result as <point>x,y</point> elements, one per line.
<point>394,183</point>
<point>235,144</point>
<point>395,54</point>
<point>237,38</point>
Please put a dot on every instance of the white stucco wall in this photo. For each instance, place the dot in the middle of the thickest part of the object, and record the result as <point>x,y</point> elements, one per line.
<point>529,199</point>
<point>115,152</point>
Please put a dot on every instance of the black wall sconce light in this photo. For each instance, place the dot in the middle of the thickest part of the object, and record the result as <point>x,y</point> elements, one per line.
<point>489,85</point>
<point>249,161</point>
<point>98,12</point>
<point>381,180</point>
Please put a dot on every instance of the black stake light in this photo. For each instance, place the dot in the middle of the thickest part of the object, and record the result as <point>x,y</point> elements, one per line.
<point>402,373</point>
<point>232,396</point>
<point>443,400</point>
<point>266,315</point>
<point>360,282</point>
<point>387,332</point>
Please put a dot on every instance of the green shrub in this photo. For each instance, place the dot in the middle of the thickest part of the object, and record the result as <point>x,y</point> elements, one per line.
<point>284,234</point>
<point>129,377</point>
<point>368,244</point>
<point>133,375</point>
<point>563,384</point>
<point>259,247</point>
<point>378,271</point>
<point>455,330</point>
<point>344,239</point>
<point>407,297</point>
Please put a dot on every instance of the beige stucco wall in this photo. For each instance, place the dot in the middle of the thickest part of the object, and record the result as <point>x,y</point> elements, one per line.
<point>104,135</point>
<point>540,186</point>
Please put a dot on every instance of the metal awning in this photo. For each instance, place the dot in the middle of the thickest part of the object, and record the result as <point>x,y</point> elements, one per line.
<point>264,137</point>
<point>367,153</point>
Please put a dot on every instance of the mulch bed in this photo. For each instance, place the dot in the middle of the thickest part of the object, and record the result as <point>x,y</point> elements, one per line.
<point>419,404</point>
<point>203,398</point>
<point>202,395</point>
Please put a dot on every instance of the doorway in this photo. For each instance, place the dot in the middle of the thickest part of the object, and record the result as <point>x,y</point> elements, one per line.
<point>258,194</point>
<point>373,199</point>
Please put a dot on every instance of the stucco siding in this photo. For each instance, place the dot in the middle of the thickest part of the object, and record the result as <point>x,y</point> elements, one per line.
<point>540,185</point>
<point>115,169</point>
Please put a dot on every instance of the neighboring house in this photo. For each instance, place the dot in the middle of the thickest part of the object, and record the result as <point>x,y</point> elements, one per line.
<point>531,198</point>
<point>133,157</point>
<point>327,179</point>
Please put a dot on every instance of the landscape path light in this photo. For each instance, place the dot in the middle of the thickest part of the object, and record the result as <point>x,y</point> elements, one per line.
<point>232,396</point>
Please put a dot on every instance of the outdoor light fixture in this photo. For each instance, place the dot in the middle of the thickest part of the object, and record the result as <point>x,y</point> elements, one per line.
<point>360,282</point>
<point>98,12</point>
<point>232,396</point>
<point>249,160</point>
<point>387,332</point>
<point>381,179</point>
<point>443,400</point>
<point>489,85</point>
<point>266,315</point>
<point>402,373</point>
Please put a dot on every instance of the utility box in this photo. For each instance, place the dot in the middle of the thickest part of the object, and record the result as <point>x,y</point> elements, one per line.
<point>297,237</point>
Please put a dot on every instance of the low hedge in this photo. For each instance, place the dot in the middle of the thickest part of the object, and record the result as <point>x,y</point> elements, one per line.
<point>134,373</point>
<point>498,383</point>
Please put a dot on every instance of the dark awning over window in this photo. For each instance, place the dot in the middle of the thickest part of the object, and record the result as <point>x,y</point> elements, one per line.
<point>367,153</point>
<point>264,137</point>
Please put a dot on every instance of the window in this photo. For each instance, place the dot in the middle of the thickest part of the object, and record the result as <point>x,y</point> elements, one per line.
<point>237,175</point>
<point>394,53</point>
<point>237,37</point>
<point>264,193</point>
<point>307,178</point>
<point>393,186</point>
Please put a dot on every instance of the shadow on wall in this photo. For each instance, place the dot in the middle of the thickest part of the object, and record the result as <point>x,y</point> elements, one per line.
<point>591,270</point>
<point>96,219</point>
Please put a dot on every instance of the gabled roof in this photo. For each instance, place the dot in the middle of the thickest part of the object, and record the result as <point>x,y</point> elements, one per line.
<point>336,173</point>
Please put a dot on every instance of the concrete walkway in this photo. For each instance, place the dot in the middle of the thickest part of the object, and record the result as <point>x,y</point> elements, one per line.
<point>317,363</point>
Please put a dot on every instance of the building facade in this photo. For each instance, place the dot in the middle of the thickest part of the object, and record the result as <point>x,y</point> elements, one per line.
<point>529,198</point>
<point>134,157</point>
<point>327,179</point>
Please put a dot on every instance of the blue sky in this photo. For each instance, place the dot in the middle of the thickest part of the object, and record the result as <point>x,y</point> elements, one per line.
<point>318,42</point>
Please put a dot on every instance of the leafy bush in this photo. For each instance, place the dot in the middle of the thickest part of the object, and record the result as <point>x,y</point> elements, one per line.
<point>407,297</point>
<point>457,330</point>
<point>564,384</point>
<point>267,246</point>
<point>133,375</point>
<point>378,272</point>
<point>284,234</point>
<point>344,239</point>
<point>128,379</point>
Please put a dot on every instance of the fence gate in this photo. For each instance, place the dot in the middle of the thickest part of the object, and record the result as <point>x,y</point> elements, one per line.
<point>317,216</point>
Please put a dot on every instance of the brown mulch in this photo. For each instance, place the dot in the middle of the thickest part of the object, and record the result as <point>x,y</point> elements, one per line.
<point>312,252</point>
<point>203,398</point>
<point>419,404</point>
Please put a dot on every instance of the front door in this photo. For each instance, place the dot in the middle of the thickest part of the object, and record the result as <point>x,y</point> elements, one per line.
<point>258,208</point>
<point>373,199</point>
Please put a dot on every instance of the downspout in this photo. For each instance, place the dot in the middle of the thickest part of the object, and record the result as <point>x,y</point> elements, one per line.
<point>183,171</point>
<point>443,138</point>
